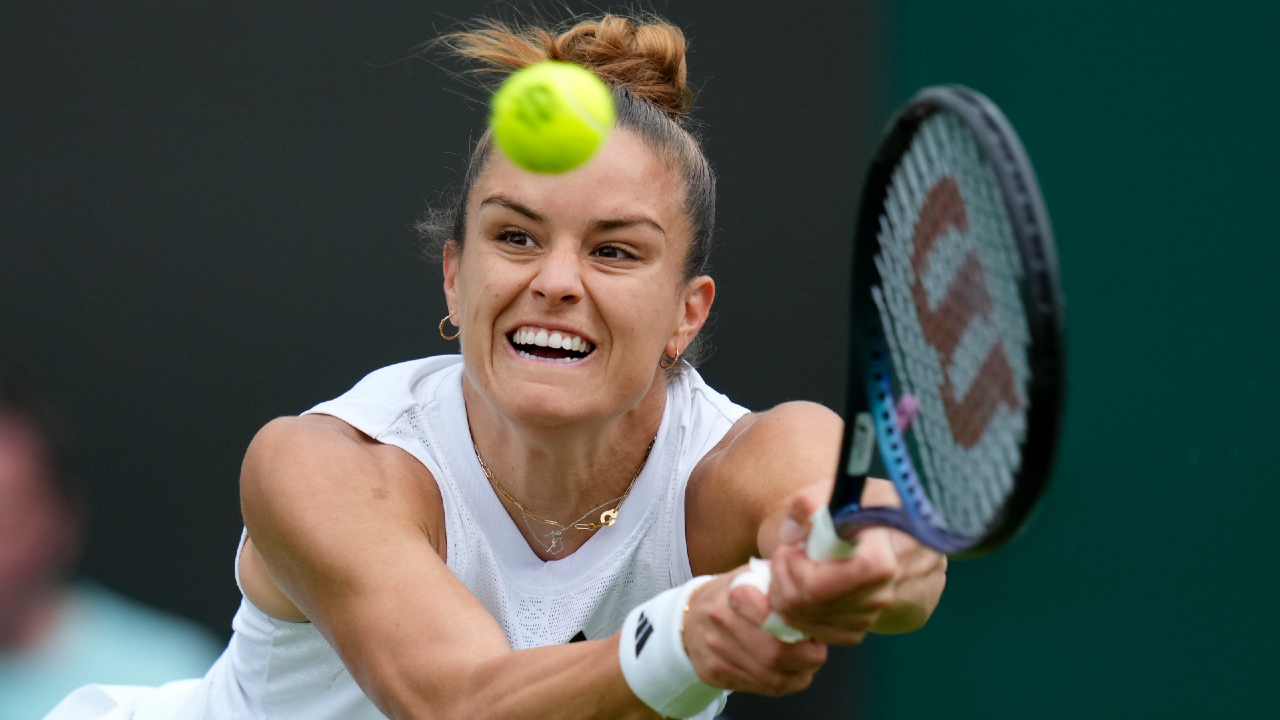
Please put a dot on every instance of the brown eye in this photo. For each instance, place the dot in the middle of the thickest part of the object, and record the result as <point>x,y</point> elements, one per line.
<point>613,252</point>
<point>517,238</point>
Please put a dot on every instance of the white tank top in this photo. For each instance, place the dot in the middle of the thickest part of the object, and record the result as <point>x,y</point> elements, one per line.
<point>281,670</point>
<point>418,407</point>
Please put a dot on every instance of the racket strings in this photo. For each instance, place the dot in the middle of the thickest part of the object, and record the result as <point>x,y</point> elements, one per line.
<point>954,323</point>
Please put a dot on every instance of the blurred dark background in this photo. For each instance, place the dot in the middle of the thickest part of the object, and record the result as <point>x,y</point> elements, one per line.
<point>205,222</point>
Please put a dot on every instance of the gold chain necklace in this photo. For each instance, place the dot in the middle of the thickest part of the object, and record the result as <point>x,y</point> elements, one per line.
<point>607,518</point>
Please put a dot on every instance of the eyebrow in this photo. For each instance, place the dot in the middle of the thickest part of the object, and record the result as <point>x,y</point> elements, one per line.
<point>513,206</point>
<point>598,225</point>
<point>624,222</point>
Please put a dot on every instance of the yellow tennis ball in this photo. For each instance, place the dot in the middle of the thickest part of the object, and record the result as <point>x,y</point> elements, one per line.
<point>550,117</point>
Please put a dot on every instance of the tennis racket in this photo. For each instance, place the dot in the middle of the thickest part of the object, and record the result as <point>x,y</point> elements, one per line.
<point>956,369</point>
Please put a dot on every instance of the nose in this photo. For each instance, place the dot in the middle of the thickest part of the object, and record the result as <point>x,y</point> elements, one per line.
<point>559,279</point>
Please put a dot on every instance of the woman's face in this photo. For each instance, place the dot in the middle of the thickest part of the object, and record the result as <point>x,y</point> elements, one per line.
<point>590,260</point>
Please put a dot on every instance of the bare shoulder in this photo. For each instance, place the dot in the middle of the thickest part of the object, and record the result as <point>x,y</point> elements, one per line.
<point>287,441</point>
<point>319,459</point>
<point>751,475</point>
<point>791,424</point>
<point>304,478</point>
<point>797,434</point>
<point>348,533</point>
<point>293,439</point>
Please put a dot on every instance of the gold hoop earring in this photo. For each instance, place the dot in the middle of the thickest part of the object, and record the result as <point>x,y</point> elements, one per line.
<point>671,364</point>
<point>446,319</point>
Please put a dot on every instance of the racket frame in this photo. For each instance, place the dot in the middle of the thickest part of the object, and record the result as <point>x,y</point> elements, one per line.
<point>870,391</point>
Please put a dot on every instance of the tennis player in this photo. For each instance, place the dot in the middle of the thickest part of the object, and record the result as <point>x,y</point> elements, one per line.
<point>548,524</point>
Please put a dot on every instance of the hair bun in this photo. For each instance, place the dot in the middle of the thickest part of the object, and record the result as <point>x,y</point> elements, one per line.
<point>643,55</point>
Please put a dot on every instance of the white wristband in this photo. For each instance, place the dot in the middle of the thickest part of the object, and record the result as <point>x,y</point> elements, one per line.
<point>654,661</point>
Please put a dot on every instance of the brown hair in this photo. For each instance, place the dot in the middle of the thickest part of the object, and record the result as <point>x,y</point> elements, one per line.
<point>644,56</point>
<point>642,60</point>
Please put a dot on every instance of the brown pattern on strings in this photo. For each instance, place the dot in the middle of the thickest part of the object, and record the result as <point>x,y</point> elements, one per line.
<point>966,298</point>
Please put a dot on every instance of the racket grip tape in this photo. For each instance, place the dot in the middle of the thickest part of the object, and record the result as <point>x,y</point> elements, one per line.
<point>822,544</point>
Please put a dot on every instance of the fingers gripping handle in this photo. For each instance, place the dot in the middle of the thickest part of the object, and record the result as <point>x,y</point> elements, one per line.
<point>822,544</point>
<point>758,576</point>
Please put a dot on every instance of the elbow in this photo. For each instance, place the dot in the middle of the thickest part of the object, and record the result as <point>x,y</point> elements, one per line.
<point>399,698</point>
<point>400,702</point>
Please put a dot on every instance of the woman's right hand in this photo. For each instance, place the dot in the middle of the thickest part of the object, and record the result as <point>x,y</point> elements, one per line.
<point>729,650</point>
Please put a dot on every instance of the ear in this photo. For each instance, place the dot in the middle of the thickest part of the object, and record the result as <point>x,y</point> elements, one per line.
<point>452,256</point>
<point>699,295</point>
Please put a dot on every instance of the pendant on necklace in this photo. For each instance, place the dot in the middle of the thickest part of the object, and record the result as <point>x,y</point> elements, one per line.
<point>556,545</point>
<point>609,517</point>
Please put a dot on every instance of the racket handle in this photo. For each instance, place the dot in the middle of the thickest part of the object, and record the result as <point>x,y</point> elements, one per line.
<point>758,575</point>
<point>822,544</point>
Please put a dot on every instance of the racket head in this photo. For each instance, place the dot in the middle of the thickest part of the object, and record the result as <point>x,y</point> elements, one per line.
<point>956,302</point>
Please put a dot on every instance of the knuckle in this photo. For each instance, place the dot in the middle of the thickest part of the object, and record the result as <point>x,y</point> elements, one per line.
<point>721,615</point>
<point>777,686</point>
<point>784,604</point>
<point>799,510</point>
<point>816,654</point>
<point>881,568</point>
<point>789,600</point>
<point>718,646</point>
<point>878,602</point>
<point>773,655</point>
<point>715,673</point>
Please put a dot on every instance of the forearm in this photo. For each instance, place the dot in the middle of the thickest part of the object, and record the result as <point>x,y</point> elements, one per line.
<point>577,681</point>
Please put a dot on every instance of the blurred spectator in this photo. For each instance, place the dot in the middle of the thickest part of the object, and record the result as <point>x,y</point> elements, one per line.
<point>57,635</point>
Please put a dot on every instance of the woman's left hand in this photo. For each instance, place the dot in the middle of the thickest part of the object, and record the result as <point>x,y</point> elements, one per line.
<point>890,584</point>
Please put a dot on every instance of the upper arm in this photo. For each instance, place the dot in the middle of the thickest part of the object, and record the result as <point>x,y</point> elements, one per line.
<point>742,490</point>
<point>344,530</point>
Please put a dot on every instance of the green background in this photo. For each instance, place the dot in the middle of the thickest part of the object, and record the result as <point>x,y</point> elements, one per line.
<point>1144,587</point>
<point>205,223</point>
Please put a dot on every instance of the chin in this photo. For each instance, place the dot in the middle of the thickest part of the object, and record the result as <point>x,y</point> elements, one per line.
<point>550,405</point>
<point>544,394</point>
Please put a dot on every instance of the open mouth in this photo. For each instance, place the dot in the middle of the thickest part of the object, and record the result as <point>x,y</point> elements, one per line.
<point>538,343</point>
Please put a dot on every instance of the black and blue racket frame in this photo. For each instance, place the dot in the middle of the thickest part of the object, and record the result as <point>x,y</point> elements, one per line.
<point>869,385</point>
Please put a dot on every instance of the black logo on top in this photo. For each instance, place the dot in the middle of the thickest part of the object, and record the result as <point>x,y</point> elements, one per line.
<point>643,630</point>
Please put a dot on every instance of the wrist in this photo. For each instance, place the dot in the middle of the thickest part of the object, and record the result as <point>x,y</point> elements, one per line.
<point>654,661</point>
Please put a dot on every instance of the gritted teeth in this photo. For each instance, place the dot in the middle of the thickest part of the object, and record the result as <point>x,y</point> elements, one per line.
<point>554,339</point>
<point>531,356</point>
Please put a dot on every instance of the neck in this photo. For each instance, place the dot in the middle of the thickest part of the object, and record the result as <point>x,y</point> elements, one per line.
<point>564,471</point>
